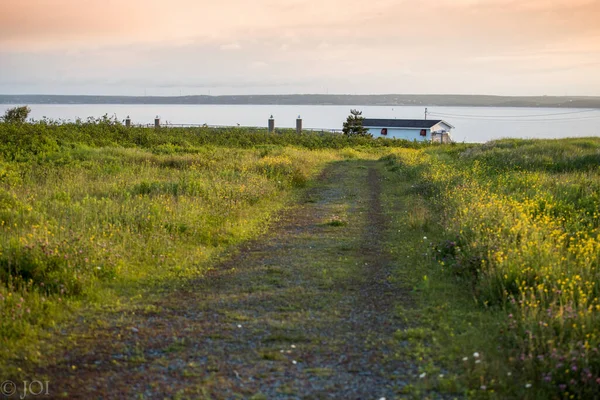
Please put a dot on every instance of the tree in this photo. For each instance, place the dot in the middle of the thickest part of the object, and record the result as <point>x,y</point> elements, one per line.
<point>354,125</point>
<point>16,115</point>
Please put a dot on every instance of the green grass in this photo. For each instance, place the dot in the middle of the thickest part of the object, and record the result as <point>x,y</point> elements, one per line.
<point>499,243</point>
<point>336,221</point>
<point>47,139</point>
<point>88,217</point>
<point>443,322</point>
<point>506,250</point>
<point>127,220</point>
<point>93,214</point>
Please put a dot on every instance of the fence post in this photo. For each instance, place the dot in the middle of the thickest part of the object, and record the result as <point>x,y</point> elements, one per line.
<point>271,124</point>
<point>299,125</point>
<point>157,122</point>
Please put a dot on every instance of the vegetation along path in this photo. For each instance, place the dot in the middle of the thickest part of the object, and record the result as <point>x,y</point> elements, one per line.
<point>305,312</point>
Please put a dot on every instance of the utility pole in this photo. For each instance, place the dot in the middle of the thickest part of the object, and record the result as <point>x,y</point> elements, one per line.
<point>426,113</point>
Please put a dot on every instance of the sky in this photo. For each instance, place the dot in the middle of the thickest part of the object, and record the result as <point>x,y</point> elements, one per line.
<point>194,47</point>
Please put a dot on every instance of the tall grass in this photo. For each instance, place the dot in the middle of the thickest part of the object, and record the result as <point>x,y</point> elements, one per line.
<point>46,137</point>
<point>112,213</point>
<point>90,205</point>
<point>522,221</point>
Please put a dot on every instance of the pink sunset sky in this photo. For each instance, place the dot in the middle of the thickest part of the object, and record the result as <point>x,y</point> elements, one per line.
<point>159,47</point>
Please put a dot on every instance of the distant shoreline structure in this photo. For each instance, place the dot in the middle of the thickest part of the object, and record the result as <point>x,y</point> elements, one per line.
<point>393,100</point>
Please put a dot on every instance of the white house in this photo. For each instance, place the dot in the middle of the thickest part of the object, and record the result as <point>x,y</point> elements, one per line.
<point>410,129</point>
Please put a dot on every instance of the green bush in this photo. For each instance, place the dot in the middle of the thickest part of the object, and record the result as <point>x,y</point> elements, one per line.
<point>42,138</point>
<point>16,115</point>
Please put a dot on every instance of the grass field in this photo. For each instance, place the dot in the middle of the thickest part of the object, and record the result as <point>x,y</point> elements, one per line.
<point>517,223</point>
<point>86,214</point>
<point>498,244</point>
<point>93,211</point>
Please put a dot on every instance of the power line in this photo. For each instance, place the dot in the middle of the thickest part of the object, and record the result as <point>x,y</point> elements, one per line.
<point>485,118</point>
<point>513,116</point>
<point>530,120</point>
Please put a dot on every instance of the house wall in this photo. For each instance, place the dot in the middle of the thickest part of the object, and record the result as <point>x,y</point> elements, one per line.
<point>396,133</point>
<point>441,127</point>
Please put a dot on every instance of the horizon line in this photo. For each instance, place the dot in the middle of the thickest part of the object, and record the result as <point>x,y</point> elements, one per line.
<point>296,94</point>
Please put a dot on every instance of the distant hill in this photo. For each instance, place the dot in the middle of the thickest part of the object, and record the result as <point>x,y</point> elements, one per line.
<point>321,99</point>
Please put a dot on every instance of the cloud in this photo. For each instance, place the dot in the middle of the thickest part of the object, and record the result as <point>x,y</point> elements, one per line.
<point>231,46</point>
<point>395,45</point>
<point>51,24</point>
<point>258,65</point>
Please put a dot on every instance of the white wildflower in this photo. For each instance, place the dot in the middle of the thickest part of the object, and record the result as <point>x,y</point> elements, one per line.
<point>477,361</point>
<point>527,386</point>
<point>294,362</point>
<point>423,375</point>
<point>239,326</point>
<point>465,358</point>
<point>476,355</point>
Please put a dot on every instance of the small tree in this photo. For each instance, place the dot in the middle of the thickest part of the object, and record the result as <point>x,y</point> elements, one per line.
<point>354,124</point>
<point>16,115</point>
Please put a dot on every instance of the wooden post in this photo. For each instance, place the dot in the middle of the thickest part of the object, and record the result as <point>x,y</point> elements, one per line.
<point>157,122</point>
<point>299,125</point>
<point>271,124</point>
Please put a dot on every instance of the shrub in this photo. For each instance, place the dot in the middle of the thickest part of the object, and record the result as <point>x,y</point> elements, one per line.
<point>16,115</point>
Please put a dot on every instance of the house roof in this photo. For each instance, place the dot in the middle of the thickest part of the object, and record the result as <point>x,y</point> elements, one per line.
<point>403,123</point>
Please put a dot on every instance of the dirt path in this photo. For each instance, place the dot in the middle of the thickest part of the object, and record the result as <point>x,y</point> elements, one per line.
<point>307,312</point>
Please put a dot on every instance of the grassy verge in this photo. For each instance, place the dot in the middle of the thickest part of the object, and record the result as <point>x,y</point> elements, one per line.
<point>446,328</point>
<point>113,225</point>
<point>504,242</point>
<point>96,215</point>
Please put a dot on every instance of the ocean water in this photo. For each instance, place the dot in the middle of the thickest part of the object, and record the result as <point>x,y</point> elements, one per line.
<point>472,124</point>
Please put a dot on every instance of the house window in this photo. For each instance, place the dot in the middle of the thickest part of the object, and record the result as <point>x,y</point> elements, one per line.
<point>423,132</point>
<point>384,131</point>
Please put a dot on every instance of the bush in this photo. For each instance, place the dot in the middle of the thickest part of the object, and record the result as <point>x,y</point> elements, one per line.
<point>41,139</point>
<point>16,115</point>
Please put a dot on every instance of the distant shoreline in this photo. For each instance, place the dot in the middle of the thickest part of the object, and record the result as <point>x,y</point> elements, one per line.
<point>390,100</point>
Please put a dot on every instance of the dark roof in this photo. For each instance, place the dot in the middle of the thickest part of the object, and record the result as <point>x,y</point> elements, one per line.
<point>402,123</point>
